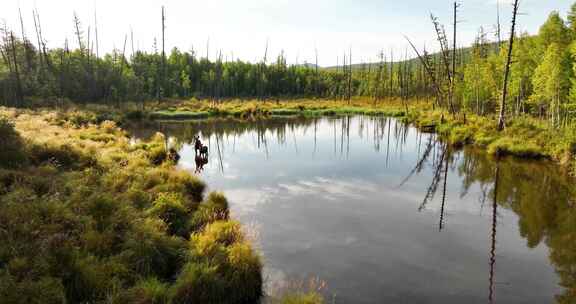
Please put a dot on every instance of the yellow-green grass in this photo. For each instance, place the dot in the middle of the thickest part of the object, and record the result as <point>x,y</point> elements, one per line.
<point>524,136</point>
<point>86,216</point>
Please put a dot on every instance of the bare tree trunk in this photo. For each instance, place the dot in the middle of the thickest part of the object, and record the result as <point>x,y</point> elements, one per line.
<point>501,118</point>
<point>498,27</point>
<point>316,72</point>
<point>132,40</point>
<point>37,37</point>
<point>19,97</point>
<point>163,72</point>
<point>452,83</point>
<point>25,43</point>
<point>96,33</point>
<point>350,77</point>
<point>78,34</point>
<point>391,89</point>
<point>431,75</point>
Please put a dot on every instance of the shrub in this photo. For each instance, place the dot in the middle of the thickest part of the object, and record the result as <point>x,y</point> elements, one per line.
<point>193,186</point>
<point>508,146</point>
<point>214,208</point>
<point>45,290</point>
<point>149,251</point>
<point>223,232</point>
<point>59,155</point>
<point>80,119</point>
<point>108,126</point>
<point>134,115</point>
<point>199,283</point>
<point>222,243</point>
<point>12,153</point>
<point>169,208</point>
<point>157,155</point>
<point>244,274</point>
<point>102,208</point>
<point>147,291</point>
<point>84,279</point>
<point>165,179</point>
<point>139,199</point>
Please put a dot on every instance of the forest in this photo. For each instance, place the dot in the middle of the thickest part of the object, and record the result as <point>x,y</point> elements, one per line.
<point>542,77</point>
<point>91,214</point>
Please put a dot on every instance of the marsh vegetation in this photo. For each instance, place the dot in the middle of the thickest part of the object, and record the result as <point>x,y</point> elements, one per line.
<point>375,172</point>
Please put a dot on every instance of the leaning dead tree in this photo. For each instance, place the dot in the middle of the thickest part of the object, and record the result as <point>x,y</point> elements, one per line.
<point>501,118</point>
<point>445,56</point>
<point>78,32</point>
<point>425,61</point>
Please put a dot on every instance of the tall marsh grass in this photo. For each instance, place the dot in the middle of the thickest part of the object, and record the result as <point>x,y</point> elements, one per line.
<point>88,217</point>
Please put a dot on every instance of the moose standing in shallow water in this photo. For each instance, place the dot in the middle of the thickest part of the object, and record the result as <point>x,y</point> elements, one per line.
<point>200,162</point>
<point>198,147</point>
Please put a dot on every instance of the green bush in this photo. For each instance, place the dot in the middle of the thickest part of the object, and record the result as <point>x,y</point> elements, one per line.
<point>12,153</point>
<point>147,291</point>
<point>515,147</point>
<point>134,115</point>
<point>169,208</point>
<point>222,243</point>
<point>199,283</point>
<point>157,155</point>
<point>45,290</point>
<point>149,251</point>
<point>63,156</point>
<point>214,208</point>
<point>243,273</point>
<point>140,199</point>
<point>78,226</point>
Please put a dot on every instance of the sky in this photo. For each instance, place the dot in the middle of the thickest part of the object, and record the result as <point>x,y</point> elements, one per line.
<point>241,29</point>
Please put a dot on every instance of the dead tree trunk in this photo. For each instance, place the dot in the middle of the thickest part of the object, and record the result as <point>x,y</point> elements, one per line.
<point>19,97</point>
<point>316,73</point>
<point>78,34</point>
<point>429,71</point>
<point>391,89</point>
<point>37,38</point>
<point>96,33</point>
<point>452,83</point>
<point>501,118</point>
<point>350,77</point>
<point>163,72</point>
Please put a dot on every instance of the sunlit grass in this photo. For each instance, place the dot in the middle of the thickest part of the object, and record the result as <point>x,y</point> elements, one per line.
<point>88,216</point>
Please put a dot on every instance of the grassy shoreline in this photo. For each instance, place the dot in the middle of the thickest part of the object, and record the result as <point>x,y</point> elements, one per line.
<point>86,215</point>
<point>130,226</point>
<point>524,136</point>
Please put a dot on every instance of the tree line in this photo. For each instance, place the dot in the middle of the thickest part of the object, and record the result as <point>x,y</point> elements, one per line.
<point>541,77</point>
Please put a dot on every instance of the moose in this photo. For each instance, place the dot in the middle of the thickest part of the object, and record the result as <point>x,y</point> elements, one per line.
<point>200,162</point>
<point>199,148</point>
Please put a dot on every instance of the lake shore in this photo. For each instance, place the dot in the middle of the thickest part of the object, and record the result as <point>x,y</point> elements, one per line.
<point>88,215</point>
<point>524,136</point>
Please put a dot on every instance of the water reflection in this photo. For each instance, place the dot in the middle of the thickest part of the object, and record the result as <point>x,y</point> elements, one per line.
<point>351,199</point>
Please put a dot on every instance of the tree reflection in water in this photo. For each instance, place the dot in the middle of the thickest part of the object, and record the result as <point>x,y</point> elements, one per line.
<point>541,195</point>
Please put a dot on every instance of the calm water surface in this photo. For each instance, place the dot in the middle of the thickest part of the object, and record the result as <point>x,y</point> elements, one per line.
<point>385,214</point>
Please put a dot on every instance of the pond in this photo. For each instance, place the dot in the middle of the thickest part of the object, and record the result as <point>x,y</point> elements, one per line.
<point>385,214</point>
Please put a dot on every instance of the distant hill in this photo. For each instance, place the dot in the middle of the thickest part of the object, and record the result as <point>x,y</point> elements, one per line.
<point>464,53</point>
<point>308,65</point>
